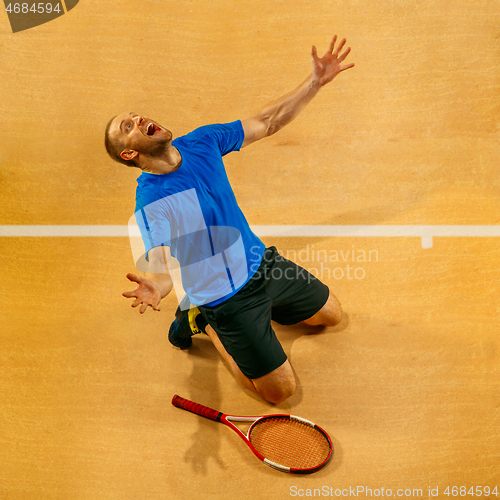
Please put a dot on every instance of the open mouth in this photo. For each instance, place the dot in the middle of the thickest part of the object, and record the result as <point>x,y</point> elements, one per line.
<point>152,129</point>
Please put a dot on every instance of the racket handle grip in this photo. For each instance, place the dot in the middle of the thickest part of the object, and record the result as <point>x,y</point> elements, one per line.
<point>204,411</point>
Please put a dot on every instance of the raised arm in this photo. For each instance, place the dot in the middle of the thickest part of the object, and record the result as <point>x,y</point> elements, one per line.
<point>279,113</point>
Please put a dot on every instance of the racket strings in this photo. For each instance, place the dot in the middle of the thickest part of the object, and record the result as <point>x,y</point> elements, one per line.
<point>290,442</point>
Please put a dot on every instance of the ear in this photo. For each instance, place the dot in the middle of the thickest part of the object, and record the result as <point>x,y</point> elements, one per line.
<point>129,154</point>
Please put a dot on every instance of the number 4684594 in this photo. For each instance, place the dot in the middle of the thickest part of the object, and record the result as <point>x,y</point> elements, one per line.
<point>40,8</point>
<point>462,491</point>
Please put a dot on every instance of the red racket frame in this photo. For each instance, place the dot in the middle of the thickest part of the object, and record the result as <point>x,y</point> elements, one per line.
<point>218,416</point>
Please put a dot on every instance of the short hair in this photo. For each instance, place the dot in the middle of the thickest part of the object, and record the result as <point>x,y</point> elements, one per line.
<point>114,148</point>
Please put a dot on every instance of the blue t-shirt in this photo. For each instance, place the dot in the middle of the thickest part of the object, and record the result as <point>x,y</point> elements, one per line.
<point>193,210</point>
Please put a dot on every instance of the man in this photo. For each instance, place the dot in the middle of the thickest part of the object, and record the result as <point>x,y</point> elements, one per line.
<point>186,209</point>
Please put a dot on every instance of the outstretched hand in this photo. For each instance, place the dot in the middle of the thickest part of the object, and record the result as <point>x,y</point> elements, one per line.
<point>146,293</point>
<point>326,68</point>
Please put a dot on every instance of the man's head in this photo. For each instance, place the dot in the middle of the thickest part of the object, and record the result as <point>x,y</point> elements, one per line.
<point>132,139</point>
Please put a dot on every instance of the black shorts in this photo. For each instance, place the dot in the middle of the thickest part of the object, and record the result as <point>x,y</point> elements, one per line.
<point>281,291</point>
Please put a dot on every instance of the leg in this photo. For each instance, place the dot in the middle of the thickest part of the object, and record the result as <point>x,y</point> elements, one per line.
<point>274,387</point>
<point>240,377</point>
<point>329,315</point>
<point>278,385</point>
<point>240,329</point>
<point>299,297</point>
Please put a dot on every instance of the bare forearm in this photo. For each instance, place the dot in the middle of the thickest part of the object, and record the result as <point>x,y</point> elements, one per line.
<point>158,272</point>
<point>282,111</point>
<point>162,281</point>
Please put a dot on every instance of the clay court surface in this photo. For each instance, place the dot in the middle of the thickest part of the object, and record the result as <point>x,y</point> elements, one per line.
<point>407,385</point>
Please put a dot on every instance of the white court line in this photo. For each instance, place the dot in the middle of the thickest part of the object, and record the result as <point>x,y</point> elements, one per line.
<point>426,233</point>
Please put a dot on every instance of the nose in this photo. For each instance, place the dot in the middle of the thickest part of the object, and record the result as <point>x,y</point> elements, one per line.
<point>138,119</point>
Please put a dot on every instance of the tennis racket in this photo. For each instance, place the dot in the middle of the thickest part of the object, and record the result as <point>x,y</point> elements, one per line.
<point>284,442</point>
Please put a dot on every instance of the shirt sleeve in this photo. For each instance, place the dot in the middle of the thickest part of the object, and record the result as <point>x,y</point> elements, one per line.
<point>154,226</point>
<point>229,136</point>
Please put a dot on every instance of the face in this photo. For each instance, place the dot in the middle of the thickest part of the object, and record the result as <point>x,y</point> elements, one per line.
<point>139,133</point>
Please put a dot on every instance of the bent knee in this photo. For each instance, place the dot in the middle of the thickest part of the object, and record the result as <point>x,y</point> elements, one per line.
<point>329,315</point>
<point>278,394</point>
<point>277,385</point>
<point>334,316</point>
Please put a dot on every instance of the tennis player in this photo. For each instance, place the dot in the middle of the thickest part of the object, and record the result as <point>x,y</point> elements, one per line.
<point>185,208</point>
